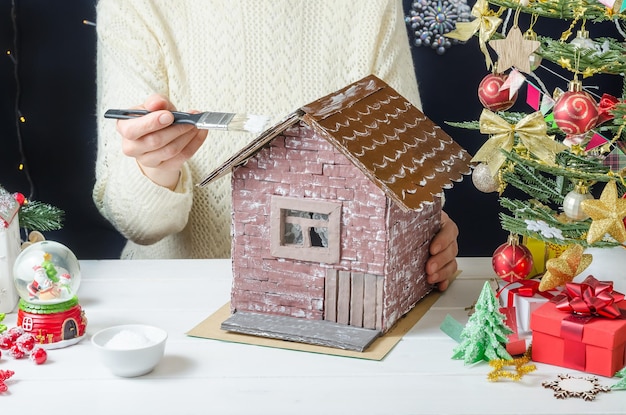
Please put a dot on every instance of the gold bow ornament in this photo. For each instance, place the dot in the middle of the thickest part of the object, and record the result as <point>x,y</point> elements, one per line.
<point>486,23</point>
<point>532,133</point>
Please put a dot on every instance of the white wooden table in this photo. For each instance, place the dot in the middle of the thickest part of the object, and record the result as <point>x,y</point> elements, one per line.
<point>202,376</point>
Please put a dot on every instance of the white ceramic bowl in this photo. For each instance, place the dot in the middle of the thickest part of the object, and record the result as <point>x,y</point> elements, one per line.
<point>130,350</point>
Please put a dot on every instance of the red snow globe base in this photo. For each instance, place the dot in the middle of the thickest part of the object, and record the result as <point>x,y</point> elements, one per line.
<point>54,326</point>
<point>47,277</point>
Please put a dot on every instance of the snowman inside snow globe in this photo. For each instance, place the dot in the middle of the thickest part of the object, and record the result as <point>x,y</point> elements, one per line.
<point>47,277</point>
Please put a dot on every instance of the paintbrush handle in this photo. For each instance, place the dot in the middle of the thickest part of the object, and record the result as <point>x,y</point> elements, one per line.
<point>127,114</point>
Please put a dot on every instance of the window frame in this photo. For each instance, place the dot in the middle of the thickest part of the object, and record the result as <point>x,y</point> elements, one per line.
<point>306,252</point>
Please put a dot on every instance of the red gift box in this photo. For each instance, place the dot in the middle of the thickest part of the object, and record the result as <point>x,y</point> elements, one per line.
<point>589,343</point>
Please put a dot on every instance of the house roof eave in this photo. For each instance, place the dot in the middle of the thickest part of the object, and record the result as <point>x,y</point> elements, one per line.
<point>255,145</point>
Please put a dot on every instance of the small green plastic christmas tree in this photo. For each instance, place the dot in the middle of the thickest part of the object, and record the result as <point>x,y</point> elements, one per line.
<point>621,385</point>
<point>485,334</point>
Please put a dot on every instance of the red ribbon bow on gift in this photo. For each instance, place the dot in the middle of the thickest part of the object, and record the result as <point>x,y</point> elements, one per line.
<point>606,104</point>
<point>589,298</point>
<point>528,288</point>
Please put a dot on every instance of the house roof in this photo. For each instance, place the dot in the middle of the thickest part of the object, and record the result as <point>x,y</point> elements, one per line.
<point>391,141</point>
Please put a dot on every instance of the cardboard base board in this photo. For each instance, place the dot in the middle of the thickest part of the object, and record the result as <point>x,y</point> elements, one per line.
<point>210,329</point>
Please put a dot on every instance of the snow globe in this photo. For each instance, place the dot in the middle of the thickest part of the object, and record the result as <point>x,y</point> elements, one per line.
<point>47,276</point>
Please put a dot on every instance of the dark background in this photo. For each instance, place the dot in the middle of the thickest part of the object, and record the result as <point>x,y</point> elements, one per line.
<point>56,94</point>
<point>56,73</point>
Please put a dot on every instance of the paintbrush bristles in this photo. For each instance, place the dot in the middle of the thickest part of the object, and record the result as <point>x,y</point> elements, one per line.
<point>246,122</point>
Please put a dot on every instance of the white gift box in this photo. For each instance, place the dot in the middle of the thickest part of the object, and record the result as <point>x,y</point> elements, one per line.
<point>525,297</point>
<point>9,250</point>
<point>607,264</point>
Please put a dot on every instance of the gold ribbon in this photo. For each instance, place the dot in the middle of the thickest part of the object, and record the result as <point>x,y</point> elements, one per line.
<point>531,131</point>
<point>486,22</point>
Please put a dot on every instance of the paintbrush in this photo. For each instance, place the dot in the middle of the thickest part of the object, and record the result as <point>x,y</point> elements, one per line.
<point>204,120</point>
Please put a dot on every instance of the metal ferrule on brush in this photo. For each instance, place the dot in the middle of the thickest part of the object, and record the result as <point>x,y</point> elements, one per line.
<point>215,120</point>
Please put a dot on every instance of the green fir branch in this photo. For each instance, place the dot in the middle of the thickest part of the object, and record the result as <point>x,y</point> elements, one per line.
<point>42,217</point>
<point>538,186</point>
<point>582,163</point>
<point>611,61</point>
<point>573,232</point>
<point>619,112</point>
<point>468,125</point>
<point>561,9</point>
<point>569,165</point>
<point>529,210</point>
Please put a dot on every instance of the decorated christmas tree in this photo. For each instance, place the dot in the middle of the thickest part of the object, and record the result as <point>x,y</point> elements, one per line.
<point>484,337</point>
<point>564,152</point>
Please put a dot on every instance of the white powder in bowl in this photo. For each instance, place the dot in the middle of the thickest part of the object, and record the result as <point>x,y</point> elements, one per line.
<point>128,339</point>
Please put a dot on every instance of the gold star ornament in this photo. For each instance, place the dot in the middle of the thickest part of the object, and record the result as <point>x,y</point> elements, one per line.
<point>514,50</point>
<point>565,267</point>
<point>607,214</point>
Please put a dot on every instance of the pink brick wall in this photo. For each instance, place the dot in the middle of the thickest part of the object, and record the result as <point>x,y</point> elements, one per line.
<point>301,164</point>
<point>405,283</point>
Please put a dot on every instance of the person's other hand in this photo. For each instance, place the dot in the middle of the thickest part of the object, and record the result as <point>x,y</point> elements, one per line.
<point>441,266</point>
<point>160,147</point>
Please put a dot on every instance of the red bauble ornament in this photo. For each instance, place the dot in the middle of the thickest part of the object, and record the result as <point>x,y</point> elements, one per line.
<point>20,198</point>
<point>512,261</point>
<point>490,94</point>
<point>575,111</point>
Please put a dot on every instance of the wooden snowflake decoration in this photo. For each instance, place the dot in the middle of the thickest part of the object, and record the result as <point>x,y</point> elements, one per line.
<point>567,386</point>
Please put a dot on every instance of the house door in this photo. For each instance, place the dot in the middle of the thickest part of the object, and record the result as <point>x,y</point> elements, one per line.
<point>354,298</point>
<point>70,329</point>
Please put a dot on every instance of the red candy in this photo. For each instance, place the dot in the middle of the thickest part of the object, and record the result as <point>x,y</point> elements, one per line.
<point>14,332</point>
<point>5,342</point>
<point>4,375</point>
<point>26,342</point>
<point>20,344</point>
<point>39,355</point>
<point>16,352</point>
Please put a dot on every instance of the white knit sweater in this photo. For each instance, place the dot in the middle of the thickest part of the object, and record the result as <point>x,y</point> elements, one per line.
<point>249,56</point>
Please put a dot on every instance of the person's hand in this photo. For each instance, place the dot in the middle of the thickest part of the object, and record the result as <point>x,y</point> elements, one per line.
<point>441,266</point>
<point>160,147</point>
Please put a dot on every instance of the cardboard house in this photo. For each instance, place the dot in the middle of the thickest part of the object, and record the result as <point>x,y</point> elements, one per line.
<point>333,212</point>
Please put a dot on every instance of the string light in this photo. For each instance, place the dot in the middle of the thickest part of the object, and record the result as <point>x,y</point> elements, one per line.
<point>13,54</point>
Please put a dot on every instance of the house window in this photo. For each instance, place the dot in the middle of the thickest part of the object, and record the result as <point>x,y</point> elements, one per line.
<point>304,229</point>
<point>27,323</point>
